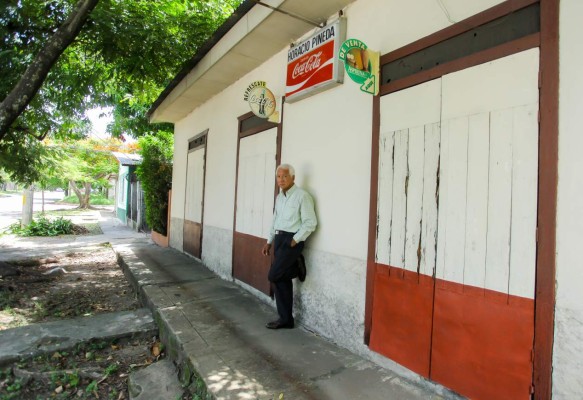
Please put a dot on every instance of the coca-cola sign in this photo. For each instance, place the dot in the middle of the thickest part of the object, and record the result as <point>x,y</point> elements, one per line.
<point>312,64</point>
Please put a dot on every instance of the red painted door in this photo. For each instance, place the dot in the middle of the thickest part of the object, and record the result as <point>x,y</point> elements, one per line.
<point>454,284</point>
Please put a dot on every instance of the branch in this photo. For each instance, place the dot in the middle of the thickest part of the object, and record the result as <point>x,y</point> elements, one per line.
<point>34,76</point>
<point>27,130</point>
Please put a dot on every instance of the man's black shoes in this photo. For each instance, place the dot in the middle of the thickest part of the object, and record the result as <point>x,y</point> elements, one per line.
<point>279,325</point>
<point>301,268</point>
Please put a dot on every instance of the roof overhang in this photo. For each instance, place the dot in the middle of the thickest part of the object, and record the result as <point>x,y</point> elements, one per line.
<point>127,159</point>
<point>246,40</point>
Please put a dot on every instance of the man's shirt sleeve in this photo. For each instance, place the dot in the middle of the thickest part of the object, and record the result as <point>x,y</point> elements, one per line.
<point>308,218</point>
<point>271,235</point>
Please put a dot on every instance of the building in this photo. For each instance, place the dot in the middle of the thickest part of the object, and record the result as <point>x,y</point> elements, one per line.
<point>129,196</point>
<point>448,203</point>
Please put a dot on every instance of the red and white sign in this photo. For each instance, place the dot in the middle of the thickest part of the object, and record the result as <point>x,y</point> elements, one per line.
<point>313,65</point>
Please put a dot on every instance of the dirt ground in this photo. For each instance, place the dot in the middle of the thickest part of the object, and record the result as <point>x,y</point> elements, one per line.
<point>81,283</point>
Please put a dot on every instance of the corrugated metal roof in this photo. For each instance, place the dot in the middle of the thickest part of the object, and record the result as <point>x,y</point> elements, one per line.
<point>127,159</point>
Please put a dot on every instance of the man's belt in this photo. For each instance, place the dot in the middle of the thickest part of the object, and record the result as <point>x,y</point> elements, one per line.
<point>284,233</point>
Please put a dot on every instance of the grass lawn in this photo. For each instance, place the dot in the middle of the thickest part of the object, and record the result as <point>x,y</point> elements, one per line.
<point>96,200</point>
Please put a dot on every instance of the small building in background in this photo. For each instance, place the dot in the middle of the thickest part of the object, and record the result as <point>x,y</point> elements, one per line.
<point>129,196</point>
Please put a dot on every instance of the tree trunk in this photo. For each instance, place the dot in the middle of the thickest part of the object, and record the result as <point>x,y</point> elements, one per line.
<point>27,206</point>
<point>84,198</point>
<point>87,196</point>
<point>34,76</point>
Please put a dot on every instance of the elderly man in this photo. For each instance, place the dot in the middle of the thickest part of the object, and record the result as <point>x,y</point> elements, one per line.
<point>293,221</point>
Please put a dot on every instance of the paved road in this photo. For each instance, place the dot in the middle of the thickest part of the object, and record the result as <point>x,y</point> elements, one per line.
<point>11,206</point>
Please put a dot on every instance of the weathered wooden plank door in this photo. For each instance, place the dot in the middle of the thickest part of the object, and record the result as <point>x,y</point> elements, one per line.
<point>486,254</point>
<point>254,207</point>
<point>194,200</point>
<point>455,249</point>
<point>407,224</point>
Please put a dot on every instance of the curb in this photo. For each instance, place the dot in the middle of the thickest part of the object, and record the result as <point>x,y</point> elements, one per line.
<point>187,371</point>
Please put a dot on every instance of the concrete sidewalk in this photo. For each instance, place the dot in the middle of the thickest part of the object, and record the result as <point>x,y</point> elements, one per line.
<point>215,331</point>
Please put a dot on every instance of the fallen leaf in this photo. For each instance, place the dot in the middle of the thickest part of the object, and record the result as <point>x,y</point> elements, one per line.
<point>59,390</point>
<point>156,349</point>
<point>56,355</point>
<point>114,347</point>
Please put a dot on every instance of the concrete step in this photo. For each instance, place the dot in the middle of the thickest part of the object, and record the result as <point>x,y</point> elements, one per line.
<point>45,338</point>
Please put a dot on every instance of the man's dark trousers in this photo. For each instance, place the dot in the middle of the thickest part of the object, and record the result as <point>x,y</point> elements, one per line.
<point>281,273</point>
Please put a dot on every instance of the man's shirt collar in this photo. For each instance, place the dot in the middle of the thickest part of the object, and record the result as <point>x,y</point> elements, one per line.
<point>290,190</point>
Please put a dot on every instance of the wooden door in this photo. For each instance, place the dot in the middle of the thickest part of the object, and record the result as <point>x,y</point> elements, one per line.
<point>194,201</point>
<point>254,207</point>
<point>407,225</point>
<point>457,205</point>
<point>486,254</point>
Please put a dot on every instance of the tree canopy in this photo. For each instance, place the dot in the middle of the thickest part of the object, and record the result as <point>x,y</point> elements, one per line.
<point>88,163</point>
<point>124,55</point>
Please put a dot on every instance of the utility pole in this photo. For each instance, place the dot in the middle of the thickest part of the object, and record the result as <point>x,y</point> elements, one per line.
<point>27,201</point>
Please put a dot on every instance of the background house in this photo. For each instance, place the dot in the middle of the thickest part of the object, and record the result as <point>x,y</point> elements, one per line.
<point>129,198</point>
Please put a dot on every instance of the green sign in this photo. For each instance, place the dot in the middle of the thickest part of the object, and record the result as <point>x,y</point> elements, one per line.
<point>361,64</point>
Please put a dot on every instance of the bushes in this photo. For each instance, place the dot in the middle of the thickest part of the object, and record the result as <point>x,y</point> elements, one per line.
<point>42,226</point>
<point>155,175</point>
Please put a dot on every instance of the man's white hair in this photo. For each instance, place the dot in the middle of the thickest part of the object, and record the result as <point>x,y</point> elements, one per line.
<point>291,169</point>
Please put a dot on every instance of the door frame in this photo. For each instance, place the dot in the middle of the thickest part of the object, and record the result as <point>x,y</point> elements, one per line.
<point>243,133</point>
<point>195,143</point>
<point>548,42</point>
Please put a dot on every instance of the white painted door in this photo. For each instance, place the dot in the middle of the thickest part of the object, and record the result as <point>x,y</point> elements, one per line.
<point>194,202</point>
<point>194,186</point>
<point>488,176</point>
<point>407,225</point>
<point>254,207</point>
<point>255,184</point>
<point>457,206</point>
<point>408,168</point>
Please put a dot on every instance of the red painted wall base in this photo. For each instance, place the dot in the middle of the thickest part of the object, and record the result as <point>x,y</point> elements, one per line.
<point>474,341</point>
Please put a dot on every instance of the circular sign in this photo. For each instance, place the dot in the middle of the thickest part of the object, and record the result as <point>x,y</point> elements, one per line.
<point>261,101</point>
<point>358,64</point>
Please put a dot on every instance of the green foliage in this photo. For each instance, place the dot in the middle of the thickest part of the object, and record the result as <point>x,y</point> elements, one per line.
<point>111,369</point>
<point>96,200</point>
<point>87,163</point>
<point>88,160</point>
<point>25,160</point>
<point>124,56</point>
<point>92,387</point>
<point>155,174</point>
<point>42,226</point>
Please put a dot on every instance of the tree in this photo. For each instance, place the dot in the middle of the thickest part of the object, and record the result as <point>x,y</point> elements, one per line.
<point>88,164</point>
<point>155,174</point>
<point>30,82</point>
<point>124,55</point>
<point>26,160</point>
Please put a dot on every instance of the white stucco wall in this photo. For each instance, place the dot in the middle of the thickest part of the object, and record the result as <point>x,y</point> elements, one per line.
<point>327,137</point>
<point>568,345</point>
